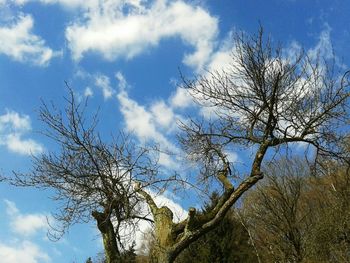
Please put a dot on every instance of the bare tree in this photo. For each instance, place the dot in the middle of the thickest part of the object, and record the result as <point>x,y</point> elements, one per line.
<point>330,238</point>
<point>294,216</point>
<point>263,101</point>
<point>279,213</point>
<point>91,179</point>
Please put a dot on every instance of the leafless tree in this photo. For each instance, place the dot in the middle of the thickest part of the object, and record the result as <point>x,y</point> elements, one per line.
<point>294,216</point>
<point>263,100</point>
<point>91,179</point>
<point>279,213</point>
<point>330,238</point>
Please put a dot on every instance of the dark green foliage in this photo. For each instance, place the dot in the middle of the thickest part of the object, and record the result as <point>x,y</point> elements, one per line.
<point>228,243</point>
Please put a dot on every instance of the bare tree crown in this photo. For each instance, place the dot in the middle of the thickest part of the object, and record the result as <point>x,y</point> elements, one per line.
<point>267,98</point>
<point>90,178</point>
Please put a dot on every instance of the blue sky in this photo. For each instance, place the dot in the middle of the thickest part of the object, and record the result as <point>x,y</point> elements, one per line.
<point>125,56</point>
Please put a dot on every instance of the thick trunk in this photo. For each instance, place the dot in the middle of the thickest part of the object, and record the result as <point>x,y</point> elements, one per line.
<point>164,230</point>
<point>163,218</point>
<point>163,227</point>
<point>110,244</point>
<point>160,255</point>
<point>106,228</point>
<point>172,239</point>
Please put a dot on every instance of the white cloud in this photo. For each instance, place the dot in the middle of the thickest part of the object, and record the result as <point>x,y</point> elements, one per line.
<point>29,224</point>
<point>16,144</point>
<point>13,127</point>
<point>222,58</point>
<point>11,208</point>
<point>148,125</point>
<point>19,2</point>
<point>292,51</point>
<point>66,3</point>
<point>18,42</point>
<point>17,248</point>
<point>142,123</point>
<point>25,224</point>
<point>219,60</point>
<point>24,252</point>
<point>137,119</point>
<point>88,92</point>
<point>113,32</point>
<point>209,113</point>
<point>181,98</point>
<point>167,160</point>
<point>163,114</point>
<point>121,81</point>
<point>324,47</point>
<point>121,29</point>
<point>96,81</point>
<point>103,83</point>
<point>15,120</point>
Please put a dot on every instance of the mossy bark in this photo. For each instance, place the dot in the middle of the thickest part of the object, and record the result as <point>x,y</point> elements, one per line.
<point>106,228</point>
<point>165,238</point>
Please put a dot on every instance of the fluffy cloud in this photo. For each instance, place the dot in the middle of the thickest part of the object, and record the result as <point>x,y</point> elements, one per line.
<point>117,29</point>
<point>24,252</point>
<point>181,98</point>
<point>96,82</point>
<point>163,114</point>
<point>148,124</point>
<point>17,144</point>
<point>146,127</point>
<point>13,127</point>
<point>324,46</point>
<point>25,224</point>
<point>113,32</point>
<point>18,42</point>
<point>88,92</point>
<point>18,249</point>
<point>103,83</point>
<point>222,58</point>
<point>15,120</point>
<point>137,118</point>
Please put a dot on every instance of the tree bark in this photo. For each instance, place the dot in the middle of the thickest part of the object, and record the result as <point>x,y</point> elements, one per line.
<point>164,229</point>
<point>160,255</point>
<point>106,228</point>
<point>163,219</point>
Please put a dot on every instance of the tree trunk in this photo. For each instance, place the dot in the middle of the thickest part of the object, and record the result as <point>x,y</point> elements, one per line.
<point>106,228</point>
<point>110,244</point>
<point>163,218</point>
<point>160,255</point>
